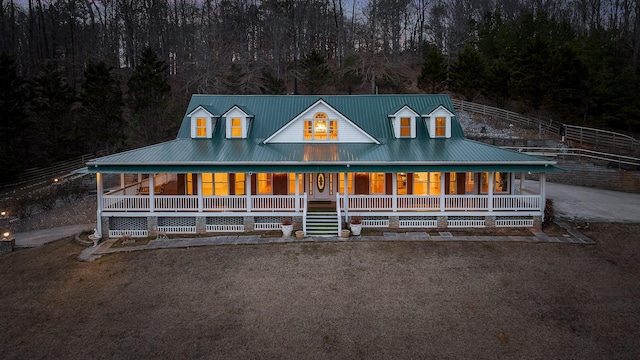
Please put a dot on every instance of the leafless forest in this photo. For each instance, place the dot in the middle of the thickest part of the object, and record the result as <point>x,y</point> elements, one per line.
<point>83,75</point>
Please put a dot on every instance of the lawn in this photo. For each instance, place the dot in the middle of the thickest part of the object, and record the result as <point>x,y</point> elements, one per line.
<point>328,300</point>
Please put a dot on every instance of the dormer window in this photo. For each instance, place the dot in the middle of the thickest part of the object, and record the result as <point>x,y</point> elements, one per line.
<point>321,128</point>
<point>441,126</point>
<point>202,121</point>
<point>404,122</point>
<point>405,127</point>
<point>237,123</point>
<point>201,127</point>
<point>236,127</point>
<point>438,121</point>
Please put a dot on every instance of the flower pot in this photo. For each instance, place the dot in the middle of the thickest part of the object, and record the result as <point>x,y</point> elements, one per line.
<point>300,235</point>
<point>355,229</point>
<point>286,230</point>
<point>345,233</point>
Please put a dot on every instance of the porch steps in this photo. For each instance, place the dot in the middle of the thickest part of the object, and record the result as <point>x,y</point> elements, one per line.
<point>322,223</point>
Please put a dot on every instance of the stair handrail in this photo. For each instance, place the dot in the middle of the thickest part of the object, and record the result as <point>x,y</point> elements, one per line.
<point>338,211</point>
<point>304,214</point>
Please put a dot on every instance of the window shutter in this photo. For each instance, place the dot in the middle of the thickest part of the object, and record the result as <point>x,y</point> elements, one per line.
<point>409,183</point>
<point>460,178</point>
<point>388,183</point>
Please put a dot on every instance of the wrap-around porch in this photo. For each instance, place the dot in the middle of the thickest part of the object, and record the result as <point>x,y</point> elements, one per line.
<point>405,198</point>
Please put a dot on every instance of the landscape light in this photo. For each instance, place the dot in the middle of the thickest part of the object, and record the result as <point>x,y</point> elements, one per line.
<point>55,180</point>
<point>5,235</point>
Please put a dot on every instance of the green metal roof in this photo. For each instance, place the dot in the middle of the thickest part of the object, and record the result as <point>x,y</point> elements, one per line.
<point>272,112</point>
<point>423,153</point>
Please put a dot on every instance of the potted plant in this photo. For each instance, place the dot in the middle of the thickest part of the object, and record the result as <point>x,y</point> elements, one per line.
<point>300,235</point>
<point>287,227</point>
<point>355,225</point>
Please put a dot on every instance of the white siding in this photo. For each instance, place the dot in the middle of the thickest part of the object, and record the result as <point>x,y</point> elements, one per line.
<point>347,132</point>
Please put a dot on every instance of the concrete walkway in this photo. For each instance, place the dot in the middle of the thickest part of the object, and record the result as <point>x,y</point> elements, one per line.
<point>40,237</point>
<point>106,247</point>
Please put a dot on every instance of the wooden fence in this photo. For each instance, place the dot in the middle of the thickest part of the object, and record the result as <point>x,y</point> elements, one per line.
<point>579,134</point>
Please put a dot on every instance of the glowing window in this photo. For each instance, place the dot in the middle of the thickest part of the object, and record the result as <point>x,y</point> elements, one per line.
<point>292,183</point>
<point>349,183</point>
<point>405,127</point>
<point>221,184</point>
<point>320,128</point>
<point>500,182</point>
<point>201,127</point>
<point>425,183</point>
<point>470,183</point>
<point>189,190</point>
<point>441,126</point>
<point>377,183</point>
<point>402,183</point>
<point>265,183</point>
<point>236,127</point>
<point>207,184</point>
<point>240,183</point>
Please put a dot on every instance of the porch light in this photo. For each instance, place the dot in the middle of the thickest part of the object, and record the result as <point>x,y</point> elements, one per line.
<point>3,213</point>
<point>5,235</point>
<point>55,180</point>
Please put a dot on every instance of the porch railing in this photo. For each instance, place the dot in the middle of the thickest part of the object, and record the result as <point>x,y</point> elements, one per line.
<point>176,202</point>
<point>235,202</point>
<point>266,203</point>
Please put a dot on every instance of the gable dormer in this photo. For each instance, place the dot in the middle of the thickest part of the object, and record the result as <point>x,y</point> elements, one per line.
<point>438,121</point>
<point>237,124</point>
<point>320,123</point>
<point>403,122</point>
<point>202,122</point>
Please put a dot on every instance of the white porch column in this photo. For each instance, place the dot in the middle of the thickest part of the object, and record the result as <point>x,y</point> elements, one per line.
<point>297,192</point>
<point>543,193</point>
<point>346,194</point>
<point>394,192</point>
<point>442,182</point>
<point>247,187</point>
<point>522,175</point>
<point>198,179</point>
<point>152,196</point>
<point>490,190</point>
<point>100,191</point>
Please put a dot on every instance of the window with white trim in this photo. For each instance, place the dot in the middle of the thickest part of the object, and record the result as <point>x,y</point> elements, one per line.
<point>321,128</point>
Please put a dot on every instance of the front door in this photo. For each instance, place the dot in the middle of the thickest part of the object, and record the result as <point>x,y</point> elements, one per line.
<point>322,187</point>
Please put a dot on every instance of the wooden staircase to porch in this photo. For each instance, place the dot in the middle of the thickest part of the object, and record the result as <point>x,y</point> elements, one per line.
<point>322,223</point>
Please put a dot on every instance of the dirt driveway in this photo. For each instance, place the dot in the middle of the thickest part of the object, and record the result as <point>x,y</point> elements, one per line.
<point>329,300</point>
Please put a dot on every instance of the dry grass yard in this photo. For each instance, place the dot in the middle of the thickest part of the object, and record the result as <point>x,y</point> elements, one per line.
<point>328,300</point>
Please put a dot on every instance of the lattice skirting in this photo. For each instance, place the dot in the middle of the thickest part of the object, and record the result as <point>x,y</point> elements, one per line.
<point>267,222</point>
<point>375,221</point>
<point>225,224</point>
<point>507,221</point>
<point>133,233</point>
<point>177,225</point>
<point>134,226</point>
<point>418,222</point>
<point>466,221</point>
